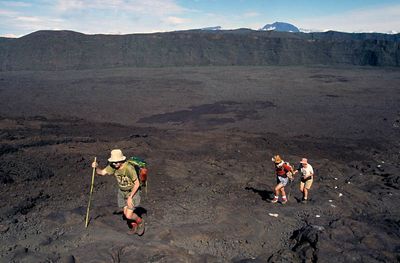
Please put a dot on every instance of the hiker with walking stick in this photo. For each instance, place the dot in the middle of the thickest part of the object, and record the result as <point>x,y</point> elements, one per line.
<point>283,173</point>
<point>129,188</point>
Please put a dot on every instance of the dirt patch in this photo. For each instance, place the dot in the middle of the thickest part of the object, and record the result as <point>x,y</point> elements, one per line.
<point>205,114</point>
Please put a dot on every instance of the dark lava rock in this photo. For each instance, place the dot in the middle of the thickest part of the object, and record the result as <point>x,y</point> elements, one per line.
<point>68,259</point>
<point>305,246</point>
<point>5,178</point>
<point>3,228</point>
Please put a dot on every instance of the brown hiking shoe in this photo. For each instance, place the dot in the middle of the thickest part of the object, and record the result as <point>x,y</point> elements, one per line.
<point>133,230</point>
<point>140,228</point>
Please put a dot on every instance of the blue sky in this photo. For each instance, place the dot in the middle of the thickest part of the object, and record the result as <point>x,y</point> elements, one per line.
<point>21,17</point>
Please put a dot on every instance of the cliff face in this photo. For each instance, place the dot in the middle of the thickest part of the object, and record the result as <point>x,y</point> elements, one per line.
<point>59,50</point>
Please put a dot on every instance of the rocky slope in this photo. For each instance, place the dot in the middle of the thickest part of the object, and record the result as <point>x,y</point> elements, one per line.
<point>208,134</point>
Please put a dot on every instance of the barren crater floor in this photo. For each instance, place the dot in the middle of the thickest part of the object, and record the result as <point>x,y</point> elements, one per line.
<point>208,134</point>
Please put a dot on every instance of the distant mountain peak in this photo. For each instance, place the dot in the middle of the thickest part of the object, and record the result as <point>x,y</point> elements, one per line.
<point>51,33</point>
<point>280,26</point>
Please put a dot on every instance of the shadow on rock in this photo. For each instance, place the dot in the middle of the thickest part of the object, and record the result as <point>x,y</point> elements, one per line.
<point>265,194</point>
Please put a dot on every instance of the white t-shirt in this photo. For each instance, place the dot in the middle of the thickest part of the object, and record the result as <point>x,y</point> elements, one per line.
<point>307,171</point>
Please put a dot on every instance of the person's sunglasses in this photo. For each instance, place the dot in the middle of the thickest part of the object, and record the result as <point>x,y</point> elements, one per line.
<point>114,163</point>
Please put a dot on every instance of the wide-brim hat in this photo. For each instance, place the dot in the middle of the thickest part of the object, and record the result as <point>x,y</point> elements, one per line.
<point>304,161</point>
<point>277,159</point>
<point>116,156</point>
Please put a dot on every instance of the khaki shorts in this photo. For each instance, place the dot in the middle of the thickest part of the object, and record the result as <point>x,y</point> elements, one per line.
<point>123,197</point>
<point>307,184</point>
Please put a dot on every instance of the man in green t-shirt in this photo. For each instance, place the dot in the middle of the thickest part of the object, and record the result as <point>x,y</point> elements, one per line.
<point>129,188</point>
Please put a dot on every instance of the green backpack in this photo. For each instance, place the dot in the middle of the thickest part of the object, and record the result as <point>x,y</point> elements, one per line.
<point>140,166</point>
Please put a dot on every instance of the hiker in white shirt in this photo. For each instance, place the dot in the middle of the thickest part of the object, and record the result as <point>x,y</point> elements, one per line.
<point>307,176</point>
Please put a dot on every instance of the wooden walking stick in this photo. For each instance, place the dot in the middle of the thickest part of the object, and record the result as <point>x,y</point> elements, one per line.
<point>147,186</point>
<point>90,196</point>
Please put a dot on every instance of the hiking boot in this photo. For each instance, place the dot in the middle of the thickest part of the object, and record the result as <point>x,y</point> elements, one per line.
<point>275,200</point>
<point>140,228</point>
<point>133,229</point>
<point>284,201</point>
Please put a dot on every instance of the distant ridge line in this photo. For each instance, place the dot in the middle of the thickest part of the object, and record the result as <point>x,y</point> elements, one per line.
<point>62,50</point>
